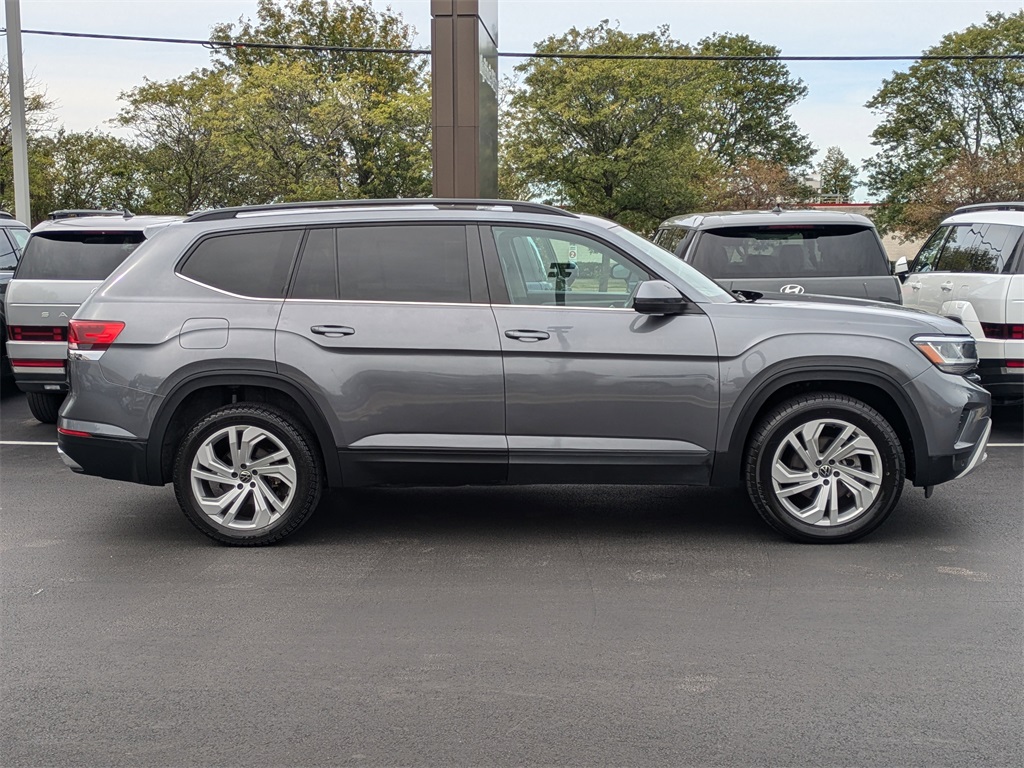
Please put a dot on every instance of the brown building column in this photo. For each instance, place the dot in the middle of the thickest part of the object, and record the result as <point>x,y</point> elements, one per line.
<point>464,71</point>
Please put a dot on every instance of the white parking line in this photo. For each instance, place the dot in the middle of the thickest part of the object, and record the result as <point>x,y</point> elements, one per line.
<point>25,442</point>
<point>1006,445</point>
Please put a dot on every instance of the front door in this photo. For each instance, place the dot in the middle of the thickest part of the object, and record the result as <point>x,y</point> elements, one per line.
<point>388,327</point>
<point>594,391</point>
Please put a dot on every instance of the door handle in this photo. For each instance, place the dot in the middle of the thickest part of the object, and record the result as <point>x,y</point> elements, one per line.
<point>332,331</point>
<point>947,286</point>
<point>914,286</point>
<point>528,336</point>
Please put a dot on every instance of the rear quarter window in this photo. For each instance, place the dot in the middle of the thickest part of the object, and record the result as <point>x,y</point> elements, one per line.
<point>979,248</point>
<point>76,255</point>
<point>255,264</point>
<point>835,250</point>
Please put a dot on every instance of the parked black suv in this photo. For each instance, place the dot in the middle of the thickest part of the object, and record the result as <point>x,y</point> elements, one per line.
<point>13,236</point>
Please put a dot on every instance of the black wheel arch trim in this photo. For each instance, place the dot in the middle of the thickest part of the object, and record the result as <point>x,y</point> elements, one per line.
<point>728,463</point>
<point>239,378</point>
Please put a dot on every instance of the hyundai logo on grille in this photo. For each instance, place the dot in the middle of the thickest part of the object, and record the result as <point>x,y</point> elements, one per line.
<point>792,288</point>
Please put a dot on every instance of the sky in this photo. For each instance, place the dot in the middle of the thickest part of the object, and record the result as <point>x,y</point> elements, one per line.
<point>84,78</point>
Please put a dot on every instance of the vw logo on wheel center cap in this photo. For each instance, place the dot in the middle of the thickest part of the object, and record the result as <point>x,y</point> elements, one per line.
<point>826,471</point>
<point>245,476</point>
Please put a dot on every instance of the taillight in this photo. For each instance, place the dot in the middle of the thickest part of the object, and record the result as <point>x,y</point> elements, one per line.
<point>72,432</point>
<point>37,363</point>
<point>93,335</point>
<point>37,333</point>
<point>1003,331</point>
<point>1015,363</point>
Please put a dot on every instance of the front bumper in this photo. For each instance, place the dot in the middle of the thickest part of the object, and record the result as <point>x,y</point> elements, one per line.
<point>969,451</point>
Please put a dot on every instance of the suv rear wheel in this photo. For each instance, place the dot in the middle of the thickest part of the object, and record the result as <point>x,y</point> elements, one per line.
<point>246,474</point>
<point>45,406</point>
<point>824,468</point>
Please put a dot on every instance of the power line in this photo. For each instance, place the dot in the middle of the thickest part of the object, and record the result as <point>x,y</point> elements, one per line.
<point>241,44</point>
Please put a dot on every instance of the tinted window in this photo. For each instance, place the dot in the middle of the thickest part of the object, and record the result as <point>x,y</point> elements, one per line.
<point>790,251</point>
<point>317,275</point>
<point>979,248</point>
<point>925,260</point>
<point>76,255</point>
<point>403,263</point>
<point>20,237</point>
<point>8,256</point>
<point>546,267</point>
<point>669,238</point>
<point>249,264</point>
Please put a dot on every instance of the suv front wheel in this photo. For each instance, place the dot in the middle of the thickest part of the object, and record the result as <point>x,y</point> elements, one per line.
<point>824,468</point>
<point>247,475</point>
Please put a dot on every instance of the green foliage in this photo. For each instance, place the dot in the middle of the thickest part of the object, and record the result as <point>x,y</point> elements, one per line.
<point>744,110</point>
<point>613,138</point>
<point>951,131</point>
<point>638,141</point>
<point>838,174</point>
<point>38,118</point>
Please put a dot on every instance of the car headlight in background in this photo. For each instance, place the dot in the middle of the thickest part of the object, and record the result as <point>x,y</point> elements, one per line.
<point>950,354</point>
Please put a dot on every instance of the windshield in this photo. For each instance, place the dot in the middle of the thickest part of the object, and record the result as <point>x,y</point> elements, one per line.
<point>811,250</point>
<point>707,287</point>
<point>75,255</point>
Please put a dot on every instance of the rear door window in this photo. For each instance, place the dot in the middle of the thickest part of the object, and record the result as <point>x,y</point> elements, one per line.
<point>255,264</point>
<point>979,248</point>
<point>834,250</point>
<point>76,255</point>
<point>410,262</point>
<point>671,238</point>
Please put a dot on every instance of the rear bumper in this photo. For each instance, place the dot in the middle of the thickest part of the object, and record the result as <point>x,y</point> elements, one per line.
<point>112,458</point>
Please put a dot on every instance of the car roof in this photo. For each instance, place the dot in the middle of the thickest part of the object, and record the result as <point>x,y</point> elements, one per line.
<point>105,223</point>
<point>989,215</point>
<point>716,219</point>
<point>7,220</point>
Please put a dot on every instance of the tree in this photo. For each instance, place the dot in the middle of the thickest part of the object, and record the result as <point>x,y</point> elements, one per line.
<point>744,111</point>
<point>181,127</point>
<point>756,184</point>
<point>38,118</point>
<point>85,170</point>
<point>838,174</point>
<point>946,119</point>
<point>613,137</point>
<point>370,113</point>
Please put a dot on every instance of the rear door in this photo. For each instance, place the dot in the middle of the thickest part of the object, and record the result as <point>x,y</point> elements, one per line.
<point>594,391</point>
<point>388,327</point>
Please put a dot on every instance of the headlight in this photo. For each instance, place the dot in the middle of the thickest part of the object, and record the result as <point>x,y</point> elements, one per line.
<point>951,354</point>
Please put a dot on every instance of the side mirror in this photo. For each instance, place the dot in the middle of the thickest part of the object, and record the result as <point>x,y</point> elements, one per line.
<point>656,297</point>
<point>901,268</point>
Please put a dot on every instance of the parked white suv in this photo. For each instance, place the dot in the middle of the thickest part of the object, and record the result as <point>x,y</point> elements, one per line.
<point>972,270</point>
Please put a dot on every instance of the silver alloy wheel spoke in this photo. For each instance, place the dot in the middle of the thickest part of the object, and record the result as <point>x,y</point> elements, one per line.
<point>243,477</point>
<point>827,472</point>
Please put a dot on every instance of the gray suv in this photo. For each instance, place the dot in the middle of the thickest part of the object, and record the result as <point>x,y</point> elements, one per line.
<point>254,356</point>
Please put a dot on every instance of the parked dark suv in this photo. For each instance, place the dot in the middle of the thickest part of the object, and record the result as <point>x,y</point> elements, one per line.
<point>789,252</point>
<point>253,356</point>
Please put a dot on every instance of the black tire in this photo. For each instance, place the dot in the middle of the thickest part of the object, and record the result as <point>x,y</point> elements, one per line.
<point>45,406</point>
<point>298,499</point>
<point>766,452</point>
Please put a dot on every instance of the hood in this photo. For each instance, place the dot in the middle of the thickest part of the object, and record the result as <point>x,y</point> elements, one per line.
<point>830,314</point>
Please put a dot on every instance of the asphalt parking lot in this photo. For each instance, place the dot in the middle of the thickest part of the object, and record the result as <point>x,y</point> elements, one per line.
<point>508,626</point>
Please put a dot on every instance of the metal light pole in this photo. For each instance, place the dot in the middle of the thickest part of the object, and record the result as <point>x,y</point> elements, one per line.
<point>16,81</point>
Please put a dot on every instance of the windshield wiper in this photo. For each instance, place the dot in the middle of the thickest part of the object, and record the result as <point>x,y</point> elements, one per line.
<point>747,295</point>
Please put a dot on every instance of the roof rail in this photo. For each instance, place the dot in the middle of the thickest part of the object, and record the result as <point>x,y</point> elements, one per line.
<point>403,202</point>
<point>5,215</point>
<point>75,213</point>
<point>989,207</point>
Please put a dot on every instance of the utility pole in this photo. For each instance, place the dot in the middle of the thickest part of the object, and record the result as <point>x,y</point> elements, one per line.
<point>19,141</point>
